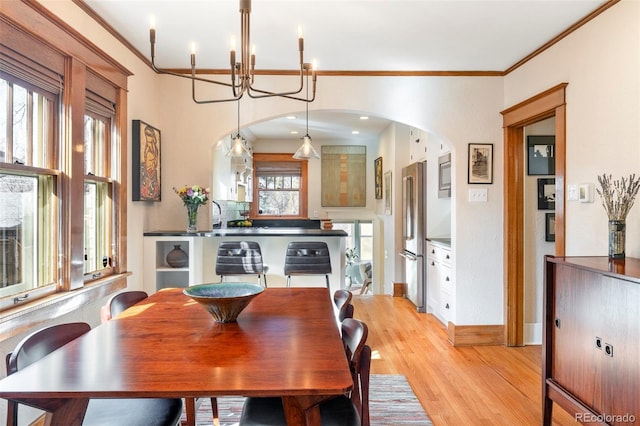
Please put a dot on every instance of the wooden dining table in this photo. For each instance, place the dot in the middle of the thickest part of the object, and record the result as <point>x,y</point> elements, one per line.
<point>285,343</point>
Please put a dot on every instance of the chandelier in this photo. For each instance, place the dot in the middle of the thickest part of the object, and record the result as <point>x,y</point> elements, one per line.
<point>243,72</point>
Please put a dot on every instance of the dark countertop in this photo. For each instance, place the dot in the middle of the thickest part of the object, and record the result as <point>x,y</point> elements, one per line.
<point>254,232</point>
<point>441,241</point>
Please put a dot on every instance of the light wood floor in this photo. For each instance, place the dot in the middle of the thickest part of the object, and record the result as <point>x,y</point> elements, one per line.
<point>480,385</point>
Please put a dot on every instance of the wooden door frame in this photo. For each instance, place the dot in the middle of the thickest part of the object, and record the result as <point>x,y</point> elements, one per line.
<point>550,103</point>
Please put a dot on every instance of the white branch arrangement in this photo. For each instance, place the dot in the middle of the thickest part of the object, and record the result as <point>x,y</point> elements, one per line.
<point>618,195</point>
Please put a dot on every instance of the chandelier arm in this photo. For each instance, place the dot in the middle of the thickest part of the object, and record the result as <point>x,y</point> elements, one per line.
<point>210,101</point>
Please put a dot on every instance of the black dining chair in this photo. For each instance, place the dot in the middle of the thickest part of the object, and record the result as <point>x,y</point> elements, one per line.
<point>240,258</point>
<point>103,412</point>
<point>123,301</point>
<point>342,300</point>
<point>343,410</point>
<point>307,258</point>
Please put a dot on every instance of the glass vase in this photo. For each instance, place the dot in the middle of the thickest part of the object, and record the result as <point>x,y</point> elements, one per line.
<point>192,212</point>
<point>617,234</point>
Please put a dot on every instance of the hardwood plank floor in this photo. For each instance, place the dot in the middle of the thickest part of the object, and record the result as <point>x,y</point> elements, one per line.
<point>474,385</point>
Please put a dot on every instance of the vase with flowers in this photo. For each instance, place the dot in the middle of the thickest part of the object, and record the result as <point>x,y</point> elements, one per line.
<point>193,197</point>
<point>617,197</point>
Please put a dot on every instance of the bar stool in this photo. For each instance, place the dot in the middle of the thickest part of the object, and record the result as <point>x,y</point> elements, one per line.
<point>307,258</point>
<point>240,258</point>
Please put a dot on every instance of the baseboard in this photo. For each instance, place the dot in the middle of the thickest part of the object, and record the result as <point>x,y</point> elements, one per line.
<point>475,335</point>
<point>399,289</point>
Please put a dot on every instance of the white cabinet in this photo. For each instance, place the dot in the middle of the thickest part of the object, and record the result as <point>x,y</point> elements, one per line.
<point>157,272</point>
<point>231,177</point>
<point>440,284</point>
<point>417,145</point>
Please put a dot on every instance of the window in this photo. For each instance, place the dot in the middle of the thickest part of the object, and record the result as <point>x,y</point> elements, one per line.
<point>63,215</point>
<point>280,186</point>
<point>97,197</point>
<point>27,187</point>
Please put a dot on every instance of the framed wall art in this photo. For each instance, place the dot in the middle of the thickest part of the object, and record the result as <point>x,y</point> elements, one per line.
<point>387,193</point>
<point>549,226</point>
<point>145,159</point>
<point>343,175</point>
<point>541,155</point>
<point>480,163</point>
<point>378,176</point>
<point>546,194</point>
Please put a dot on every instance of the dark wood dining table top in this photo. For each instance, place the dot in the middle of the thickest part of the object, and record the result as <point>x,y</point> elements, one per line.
<point>285,343</point>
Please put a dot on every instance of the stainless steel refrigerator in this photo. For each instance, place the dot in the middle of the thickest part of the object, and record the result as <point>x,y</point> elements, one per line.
<point>414,227</point>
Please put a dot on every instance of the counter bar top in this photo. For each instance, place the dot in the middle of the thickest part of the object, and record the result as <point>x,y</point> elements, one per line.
<point>250,231</point>
<point>441,241</point>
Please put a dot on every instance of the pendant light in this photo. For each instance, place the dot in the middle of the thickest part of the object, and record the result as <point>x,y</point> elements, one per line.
<point>306,151</point>
<point>238,144</point>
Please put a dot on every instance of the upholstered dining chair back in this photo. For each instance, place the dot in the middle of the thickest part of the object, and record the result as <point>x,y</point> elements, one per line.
<point>307,258</point>
<point>116,412</point>
<point>240,258</point>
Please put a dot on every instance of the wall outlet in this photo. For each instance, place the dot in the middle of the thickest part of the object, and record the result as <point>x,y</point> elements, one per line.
<point>478,195</point>
<point>315,213</point>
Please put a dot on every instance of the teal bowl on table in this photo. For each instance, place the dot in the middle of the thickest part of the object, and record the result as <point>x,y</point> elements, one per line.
<point>224,301</point>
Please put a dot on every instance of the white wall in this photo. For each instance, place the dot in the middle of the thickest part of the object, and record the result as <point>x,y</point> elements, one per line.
<point>601,63</point>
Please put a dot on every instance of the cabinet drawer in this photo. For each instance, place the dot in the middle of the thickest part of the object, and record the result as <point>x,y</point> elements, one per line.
<point>446,305</point>
<point>439,253</point>
<point>446,279</point>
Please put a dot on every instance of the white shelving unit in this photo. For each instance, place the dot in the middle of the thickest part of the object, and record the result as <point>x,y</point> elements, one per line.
<point>158,274</point>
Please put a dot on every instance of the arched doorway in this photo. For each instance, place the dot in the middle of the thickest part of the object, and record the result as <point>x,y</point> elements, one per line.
<point>550,103</point>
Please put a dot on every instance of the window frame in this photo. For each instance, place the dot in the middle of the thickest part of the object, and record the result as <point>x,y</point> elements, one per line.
<point>59,46</point>
<point>303,191</point>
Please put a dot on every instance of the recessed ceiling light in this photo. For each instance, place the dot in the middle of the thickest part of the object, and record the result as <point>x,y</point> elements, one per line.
<point>355,132</point>
<point>291,117</point>
<point>294,132</point>
<point>364,117</point>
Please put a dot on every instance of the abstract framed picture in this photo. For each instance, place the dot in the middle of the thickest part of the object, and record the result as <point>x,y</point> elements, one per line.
<point>549,226</point>
<point>145,160</point>
<point>343,176</point>
<point>546,194</point>
<point>378,176</point>
<point>480,163</point>
<point>541,155</point>
<point>387,193</point>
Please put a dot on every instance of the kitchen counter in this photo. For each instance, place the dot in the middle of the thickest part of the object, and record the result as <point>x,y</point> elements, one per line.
<point>252,232</point>
<point>446,242</point>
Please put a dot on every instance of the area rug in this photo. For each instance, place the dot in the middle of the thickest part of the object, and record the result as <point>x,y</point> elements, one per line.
<point>391,402</point>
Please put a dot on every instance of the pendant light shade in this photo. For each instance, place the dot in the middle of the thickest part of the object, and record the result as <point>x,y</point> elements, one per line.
<point>306,151</point>
<point>238,148</point>
<point>238,145</point>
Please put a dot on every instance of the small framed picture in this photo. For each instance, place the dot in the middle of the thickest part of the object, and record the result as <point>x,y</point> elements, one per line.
<point>145,160</point>
<point>541,155</point>
<point>387,192</point>
<point>549,226</point>
<point>480,163</point>
<point>378,175</point>
<point>546,194</point>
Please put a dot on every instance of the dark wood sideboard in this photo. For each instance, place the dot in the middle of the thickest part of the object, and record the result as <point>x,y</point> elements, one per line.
<point>591,342</point>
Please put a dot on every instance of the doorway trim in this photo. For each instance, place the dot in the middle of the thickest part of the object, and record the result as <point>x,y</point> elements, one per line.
<point>550,103</point>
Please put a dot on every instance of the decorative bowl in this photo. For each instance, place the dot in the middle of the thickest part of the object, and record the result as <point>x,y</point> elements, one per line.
<point>224,301</point>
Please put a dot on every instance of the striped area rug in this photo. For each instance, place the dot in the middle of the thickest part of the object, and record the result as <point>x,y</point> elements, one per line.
<point>391,403</point>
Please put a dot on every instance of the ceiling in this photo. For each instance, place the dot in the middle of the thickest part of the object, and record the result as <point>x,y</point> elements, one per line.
<point>346,35</point>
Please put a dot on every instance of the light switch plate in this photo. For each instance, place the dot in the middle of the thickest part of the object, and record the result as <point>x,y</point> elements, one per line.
<point>478,195</point>
<point>572,192</point>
